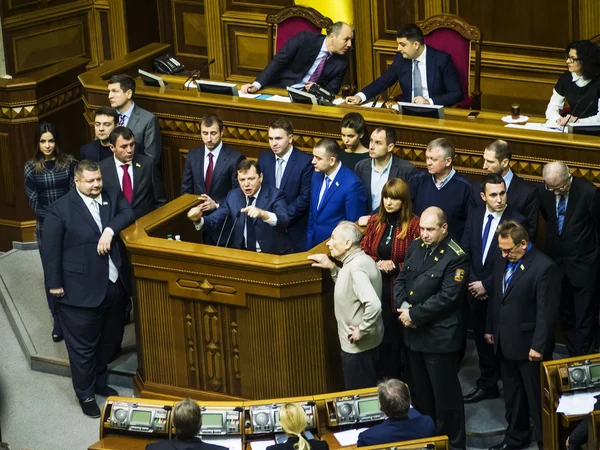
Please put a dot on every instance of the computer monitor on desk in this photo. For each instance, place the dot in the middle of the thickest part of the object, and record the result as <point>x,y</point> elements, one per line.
<point>591,129</point>
<point>217,87</point>
<point>414,109</point>
<point>298,96</point>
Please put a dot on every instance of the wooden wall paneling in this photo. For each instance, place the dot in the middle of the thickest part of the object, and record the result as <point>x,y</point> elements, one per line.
<point>256,6</point>
<point>190,33</point>
<point>363,41</point>
<point>104,49</point>
<point>142,23</point>
<point>246,44</point>
<point>389,15</point>
<point>589,18</point>
<point>215,39</point>
<point>118,28</point>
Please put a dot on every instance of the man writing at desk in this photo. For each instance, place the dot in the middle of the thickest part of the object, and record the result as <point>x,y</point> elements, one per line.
<point>426,75</point>
<point>258,213</point>
<point>308,58</point>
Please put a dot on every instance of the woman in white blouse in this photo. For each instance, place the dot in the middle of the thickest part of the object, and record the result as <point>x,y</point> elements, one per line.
<point>579,85</point>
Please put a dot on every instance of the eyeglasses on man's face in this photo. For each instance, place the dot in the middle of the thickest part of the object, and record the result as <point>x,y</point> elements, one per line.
<point>505,252</point>
<point>557,189</point>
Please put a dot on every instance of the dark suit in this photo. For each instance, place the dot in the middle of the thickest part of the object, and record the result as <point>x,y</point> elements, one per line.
<point>295,184</point>
<point>147,188</point>
<point>433,286</point>
<point>522,318</point>
<point>270,239</point>
<point>575,251</point>
<point>177,444</point>
<point>522,196</point>
<point>92,310</point>
<point>399,169</point>
<point>315,444</point>
<point>345,200</point>
<point>290,64</point>
<point>443,83</point>
<point>94,151</point>
<point>224,179</point>
<point>415,426</point>
<point>144,127</point>
<point>479,270</point>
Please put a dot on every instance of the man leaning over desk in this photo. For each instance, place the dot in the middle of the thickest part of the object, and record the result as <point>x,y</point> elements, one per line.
<point>308,58</point>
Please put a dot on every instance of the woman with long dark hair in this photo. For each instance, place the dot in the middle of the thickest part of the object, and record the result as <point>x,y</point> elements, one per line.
<point>387,237</point>
<point>579,86</point>
<point>48,176</point>
<point>354,139</point>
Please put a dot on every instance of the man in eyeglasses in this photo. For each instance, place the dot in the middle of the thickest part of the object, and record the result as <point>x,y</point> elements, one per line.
<point>520,324</point>
<point>570,206</point>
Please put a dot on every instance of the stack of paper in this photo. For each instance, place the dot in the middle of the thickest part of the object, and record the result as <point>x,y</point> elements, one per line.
<point>349,437</point>
<point>577,403</point>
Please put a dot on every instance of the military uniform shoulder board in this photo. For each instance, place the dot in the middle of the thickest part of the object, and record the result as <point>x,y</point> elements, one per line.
<point>455,247</point>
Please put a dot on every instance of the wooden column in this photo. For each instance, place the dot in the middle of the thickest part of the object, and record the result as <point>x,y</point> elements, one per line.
<point>118,28</point>
<point>215,38</point>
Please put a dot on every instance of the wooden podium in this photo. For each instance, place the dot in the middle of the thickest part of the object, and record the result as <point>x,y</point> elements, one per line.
<point>217,324</point>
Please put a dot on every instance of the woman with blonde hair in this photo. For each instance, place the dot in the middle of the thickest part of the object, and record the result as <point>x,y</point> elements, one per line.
<point>293,420</point>
<point>386,240</point>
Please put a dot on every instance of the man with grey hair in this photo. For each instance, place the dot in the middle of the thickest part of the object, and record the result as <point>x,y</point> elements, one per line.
<point>402,422</point>
<point>442,186</point>
<point>570,206</point>
<point>429,297</point>
<point>357,299</point>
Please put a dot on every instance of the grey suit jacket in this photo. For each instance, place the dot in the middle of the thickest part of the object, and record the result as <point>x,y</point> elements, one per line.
<point>400,169</point>
<point>147,188</point>
<point>144,126</point>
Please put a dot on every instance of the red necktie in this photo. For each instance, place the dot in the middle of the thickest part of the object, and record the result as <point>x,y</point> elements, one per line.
<point>314,78</point>
<point>127,187</point>
<point>209,172</point>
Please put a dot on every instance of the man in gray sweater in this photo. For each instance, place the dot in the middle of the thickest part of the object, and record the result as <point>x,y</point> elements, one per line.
<point>357,298</point>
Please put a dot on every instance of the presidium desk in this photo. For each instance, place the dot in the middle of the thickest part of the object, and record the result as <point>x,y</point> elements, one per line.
<point>247,120</point>
<point>222,324</point>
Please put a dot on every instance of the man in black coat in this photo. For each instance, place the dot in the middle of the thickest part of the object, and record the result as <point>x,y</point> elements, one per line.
<point>105,120</point>
<point>522,196</point>
<point>570,206</point>
<point>86,269</point>
<point>480,242</point>
<point>211,171</point>
<point>428,293</point>
<point>134,175</point>
<point>520,324</point>
<point>308,58</point>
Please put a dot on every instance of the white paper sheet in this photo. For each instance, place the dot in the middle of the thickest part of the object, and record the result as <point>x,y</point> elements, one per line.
<point>349,437</point>
<point>224,441</point>
<point>533,126</point>
<point>577,403</point>
<point>279,98</point>
<point>338,101</point>
<point>261,445</point>
<point>241,94</point>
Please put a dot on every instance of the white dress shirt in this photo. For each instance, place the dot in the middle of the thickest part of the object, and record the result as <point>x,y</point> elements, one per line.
<point>508,178</point>
<point>215,152</point>
<point>285,159</point>
<point>378,180</point>
<point>423,69</point>
<point>557,103</point>
<point>324,185</point>
<point>120,172</point>
<point>495,222</point>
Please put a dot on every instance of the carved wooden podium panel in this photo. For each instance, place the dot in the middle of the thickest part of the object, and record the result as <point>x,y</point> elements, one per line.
<point>216,323</point>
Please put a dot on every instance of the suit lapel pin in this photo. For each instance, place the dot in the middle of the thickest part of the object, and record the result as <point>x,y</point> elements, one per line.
<point>337,183</point>
<point>104,203</point>
<point>522,267</point>
<point>138,165</point>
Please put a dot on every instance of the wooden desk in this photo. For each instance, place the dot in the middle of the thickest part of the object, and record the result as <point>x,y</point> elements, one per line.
<point>247,122</point>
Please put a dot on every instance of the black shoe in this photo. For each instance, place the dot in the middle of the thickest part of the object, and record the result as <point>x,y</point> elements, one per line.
<point>476,395</point>
<point>89,407</point>
<point>106,391</point>
<point>57,334</point>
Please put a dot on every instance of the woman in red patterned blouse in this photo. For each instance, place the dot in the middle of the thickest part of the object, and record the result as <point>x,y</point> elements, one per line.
<point>388,234</point>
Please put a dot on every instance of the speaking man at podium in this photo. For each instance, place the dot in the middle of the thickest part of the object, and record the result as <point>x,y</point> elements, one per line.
<point>258,214</point>
<point>426,75</point>
<point>308,58</point>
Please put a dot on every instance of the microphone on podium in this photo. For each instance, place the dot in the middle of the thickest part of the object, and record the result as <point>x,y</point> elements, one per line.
<point>222,228</point>
<point>196,73</point>
<point>237,216</point>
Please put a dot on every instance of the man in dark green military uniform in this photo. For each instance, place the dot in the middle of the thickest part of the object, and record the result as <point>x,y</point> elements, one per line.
<point>428,295</point>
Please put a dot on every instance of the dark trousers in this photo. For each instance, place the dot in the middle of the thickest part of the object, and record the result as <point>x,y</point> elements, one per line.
<point>489,366</point>
<point>360,369</point>
<point>579,316</point>
<point>438,393</point>
<point>393,339</point>
<point>91,336</point>
<point>51,299</point>
<point>522,399</point>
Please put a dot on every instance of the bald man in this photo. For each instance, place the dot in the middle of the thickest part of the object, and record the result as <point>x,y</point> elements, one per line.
<point>428,294</point>
<point>570,206</point>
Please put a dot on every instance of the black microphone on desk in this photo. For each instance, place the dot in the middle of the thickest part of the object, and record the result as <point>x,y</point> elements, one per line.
<point>389,94</point>
<point>375,101</point>
<point>196,73</point>
<point>237,216</point>
<point>573,112</point>
<point>222,228</point>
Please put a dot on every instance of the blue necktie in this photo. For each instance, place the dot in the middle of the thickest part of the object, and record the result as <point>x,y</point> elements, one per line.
<point>250,234</point>
<point>560,213</point>
<point>508,273</point>
<point>485,236</point>
<point>327,184</point>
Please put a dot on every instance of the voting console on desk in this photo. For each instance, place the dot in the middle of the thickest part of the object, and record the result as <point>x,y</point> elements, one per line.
<point>350,407</point>
<point>262,417</point>
<point>578,375</point>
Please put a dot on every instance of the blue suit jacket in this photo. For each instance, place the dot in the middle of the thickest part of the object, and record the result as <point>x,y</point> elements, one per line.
<point>345,200</point>
<point>224,177</point>
<point>443,82</point>
<point>295,184</point>
<point>177,444</point>
<point>69,253</point>
<point>291,63</point>
<point>271,239</point>
<point>472,241</point>
<point>415,426</point>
